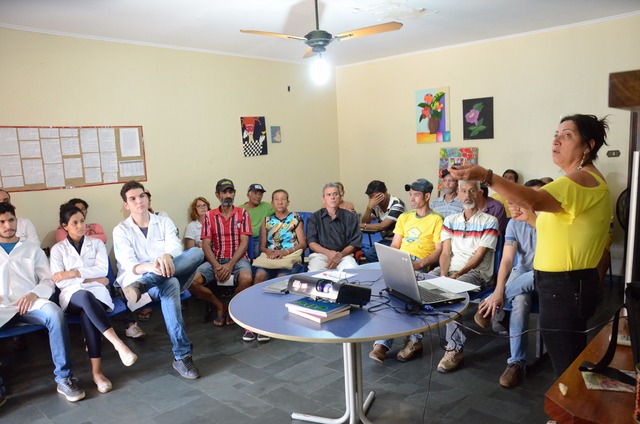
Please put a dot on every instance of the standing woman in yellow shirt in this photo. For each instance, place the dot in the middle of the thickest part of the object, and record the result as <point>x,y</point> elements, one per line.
<point>574,213</point>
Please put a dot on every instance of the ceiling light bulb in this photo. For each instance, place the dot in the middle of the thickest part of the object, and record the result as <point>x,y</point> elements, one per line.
<point>320,71</point>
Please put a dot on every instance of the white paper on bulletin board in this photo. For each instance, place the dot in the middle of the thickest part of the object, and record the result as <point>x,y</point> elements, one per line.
<point>42,158</point>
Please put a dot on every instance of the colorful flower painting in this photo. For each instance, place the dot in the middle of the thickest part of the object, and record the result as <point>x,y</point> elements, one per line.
<point>432,115</point>
<point>456,156</point>
<point>478,118</point>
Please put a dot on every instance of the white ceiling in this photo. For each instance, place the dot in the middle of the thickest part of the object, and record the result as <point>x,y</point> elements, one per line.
<point>214,25</point>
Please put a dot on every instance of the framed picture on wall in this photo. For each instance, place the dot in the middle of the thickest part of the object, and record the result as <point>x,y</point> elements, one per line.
<point>478,118</point>
<point>455,156</point>
<point>254,136</point>
<point>432,115</point>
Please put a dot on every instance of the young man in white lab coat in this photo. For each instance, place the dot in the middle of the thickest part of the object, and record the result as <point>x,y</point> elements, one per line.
<point>24,297</point>
<point>150,256</point>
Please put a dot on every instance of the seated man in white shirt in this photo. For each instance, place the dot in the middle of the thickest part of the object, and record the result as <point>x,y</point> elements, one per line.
<point>25,229</point>
<point>468,243</point>
<point>150,255</point>
<point>25,287</point>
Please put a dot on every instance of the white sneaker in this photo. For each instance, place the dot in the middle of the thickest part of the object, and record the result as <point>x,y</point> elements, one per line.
<point>134,331</point>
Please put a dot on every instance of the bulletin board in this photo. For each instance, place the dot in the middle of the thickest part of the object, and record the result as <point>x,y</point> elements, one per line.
<point>44,158</point>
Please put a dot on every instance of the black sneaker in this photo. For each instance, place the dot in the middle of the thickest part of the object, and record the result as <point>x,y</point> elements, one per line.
<point>187,368</point>
<point>70,390</point>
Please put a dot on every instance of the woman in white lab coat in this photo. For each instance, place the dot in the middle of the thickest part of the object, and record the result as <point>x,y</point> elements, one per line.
<point>79,266</point>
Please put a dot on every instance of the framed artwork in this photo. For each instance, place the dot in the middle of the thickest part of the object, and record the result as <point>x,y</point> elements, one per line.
<point>456,156</point>
<point>276,135</point>
<point>478,118</point>
<point>254,136</point>
<point>432,115</point>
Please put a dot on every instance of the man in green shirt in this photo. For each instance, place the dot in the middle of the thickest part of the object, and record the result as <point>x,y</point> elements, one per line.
<point>258,211</point>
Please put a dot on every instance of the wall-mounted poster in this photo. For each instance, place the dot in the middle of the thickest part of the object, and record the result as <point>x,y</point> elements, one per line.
<point>478,118</point>
<point>432,115</point>
<point>254,136</point>
<point>276,135</point>
<point>456,156</point>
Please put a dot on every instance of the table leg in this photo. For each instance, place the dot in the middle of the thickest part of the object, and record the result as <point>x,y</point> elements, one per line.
<point>355,409</point>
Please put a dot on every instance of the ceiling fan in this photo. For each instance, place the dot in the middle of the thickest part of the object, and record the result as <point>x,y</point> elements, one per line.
<point>318,39</point>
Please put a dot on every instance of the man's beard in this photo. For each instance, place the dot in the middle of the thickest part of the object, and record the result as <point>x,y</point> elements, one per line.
<point>227,202</point>
<point>447,190</point>
<point>469,206</point>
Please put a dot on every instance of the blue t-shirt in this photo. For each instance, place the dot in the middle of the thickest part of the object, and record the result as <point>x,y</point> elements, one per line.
<point>525,235</point>
<point>8,247</point>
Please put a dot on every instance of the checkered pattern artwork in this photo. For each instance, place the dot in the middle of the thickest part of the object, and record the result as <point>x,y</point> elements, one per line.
<point>254,136</point>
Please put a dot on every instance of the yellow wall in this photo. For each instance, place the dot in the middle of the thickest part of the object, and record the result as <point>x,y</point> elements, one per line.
<point>534,80</point>
<point>189,105</point>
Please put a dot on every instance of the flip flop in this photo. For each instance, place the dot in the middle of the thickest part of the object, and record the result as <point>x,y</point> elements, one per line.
<point>144,316</point>
<point>219,322</point>
<point>230,320</point>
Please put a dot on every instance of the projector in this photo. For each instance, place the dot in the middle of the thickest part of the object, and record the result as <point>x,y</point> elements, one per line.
<point>332,291</point>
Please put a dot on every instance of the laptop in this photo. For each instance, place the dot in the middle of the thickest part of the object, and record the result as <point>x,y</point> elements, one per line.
<point>400,279</point>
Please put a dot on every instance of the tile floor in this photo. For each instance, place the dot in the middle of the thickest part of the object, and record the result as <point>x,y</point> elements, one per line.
<point>263,383</point>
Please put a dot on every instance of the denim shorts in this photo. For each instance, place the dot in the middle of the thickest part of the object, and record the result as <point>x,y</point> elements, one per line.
<point>206,269</point>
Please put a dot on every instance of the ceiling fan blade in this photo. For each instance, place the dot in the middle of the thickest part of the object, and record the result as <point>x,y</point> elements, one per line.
<point>273,34</point>
<point>371,30</point>
<point>308,53</point>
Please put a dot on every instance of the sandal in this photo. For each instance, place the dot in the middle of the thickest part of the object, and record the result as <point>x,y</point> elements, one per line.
<point>230,320</point>
<point>219,322</point>
<point>144,315</point>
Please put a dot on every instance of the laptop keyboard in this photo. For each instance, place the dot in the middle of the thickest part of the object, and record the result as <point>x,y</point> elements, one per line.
<point>430,296</point>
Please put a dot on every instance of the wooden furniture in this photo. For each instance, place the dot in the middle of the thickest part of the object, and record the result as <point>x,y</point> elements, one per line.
<point>584,406</point>
<point>624,93</point>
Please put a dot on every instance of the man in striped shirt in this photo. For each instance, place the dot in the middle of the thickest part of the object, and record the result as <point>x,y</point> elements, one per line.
<point>226,232</point>
<point>468,243</point>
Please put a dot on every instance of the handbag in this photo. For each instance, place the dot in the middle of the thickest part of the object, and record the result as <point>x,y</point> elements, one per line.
<point>285,262</point>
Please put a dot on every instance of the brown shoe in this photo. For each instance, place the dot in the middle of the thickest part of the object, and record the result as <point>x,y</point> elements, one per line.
<point>132,291</point>
<point>512,376</point>
<point>481,321</point>
<point>378,353</point>
<point>451,360</point>
<point>409,350</point>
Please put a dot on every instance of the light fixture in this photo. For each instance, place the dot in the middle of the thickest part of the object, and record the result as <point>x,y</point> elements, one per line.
<point>320,70</point>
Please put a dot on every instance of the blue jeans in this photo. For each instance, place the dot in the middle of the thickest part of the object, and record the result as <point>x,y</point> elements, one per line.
<point>168,291</point>
<point>388,343</point>
<point>517,293</point>
<point>52,317</point>
<point>371,254</point>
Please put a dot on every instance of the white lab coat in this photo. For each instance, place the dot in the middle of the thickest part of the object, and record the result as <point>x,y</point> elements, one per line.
<point>26,231</point>
<point>92,262</point>
<point>131,247</point>
<point>25,270</point>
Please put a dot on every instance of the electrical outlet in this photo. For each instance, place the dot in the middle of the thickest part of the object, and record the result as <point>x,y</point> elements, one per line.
<point>613,153</point>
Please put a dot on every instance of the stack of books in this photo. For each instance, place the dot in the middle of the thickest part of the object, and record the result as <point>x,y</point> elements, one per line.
<point>317,310</point>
